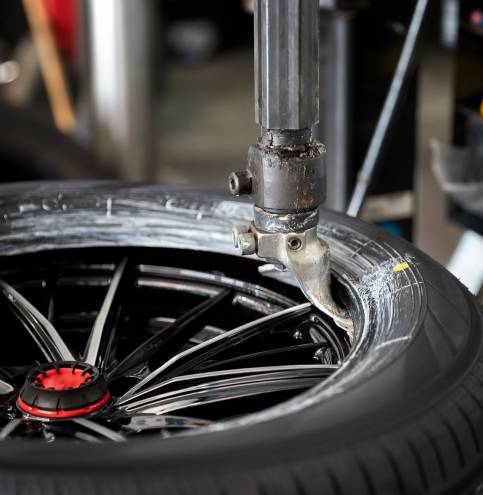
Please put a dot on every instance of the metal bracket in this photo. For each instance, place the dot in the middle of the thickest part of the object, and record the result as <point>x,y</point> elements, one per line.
<point>305,256</point>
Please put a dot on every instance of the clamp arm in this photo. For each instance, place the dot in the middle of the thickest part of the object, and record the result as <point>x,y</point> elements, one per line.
<point>285,171</point>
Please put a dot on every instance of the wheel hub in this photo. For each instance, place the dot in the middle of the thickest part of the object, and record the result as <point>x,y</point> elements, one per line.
<point>62,390</point>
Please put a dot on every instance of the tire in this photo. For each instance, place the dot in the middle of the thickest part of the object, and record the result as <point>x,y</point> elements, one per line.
<point>404,415</point>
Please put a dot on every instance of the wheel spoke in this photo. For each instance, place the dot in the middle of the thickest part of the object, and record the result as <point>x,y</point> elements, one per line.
<point>39,327</point>
<point>51,308</point>
<point>86,437</point>
<point>100,429</point>
<point>260,358</point>
<point>144,422</point>
<point>243,374</point>
<point>92,354</point>
<point>8,429</point>
<point>5,388</point>
<point>194,356</point>
<point>255,383</point>
<point>211,280</point>
<point>167,341</point>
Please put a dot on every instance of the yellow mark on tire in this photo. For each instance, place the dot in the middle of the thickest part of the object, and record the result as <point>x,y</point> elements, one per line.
<point>400,267</point>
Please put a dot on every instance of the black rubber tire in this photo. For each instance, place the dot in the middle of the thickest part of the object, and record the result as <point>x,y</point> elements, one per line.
<point>403,416</point>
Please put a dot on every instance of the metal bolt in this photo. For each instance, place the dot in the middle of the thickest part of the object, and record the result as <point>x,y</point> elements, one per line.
<point>324,356</point>
<point>237,230</point>
<point>247,243</point>
<point>240,183</point>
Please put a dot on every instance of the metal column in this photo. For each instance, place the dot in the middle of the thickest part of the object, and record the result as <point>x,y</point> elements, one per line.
<point>119,49</point>
<point>286,64</point>
<point>335,94</point>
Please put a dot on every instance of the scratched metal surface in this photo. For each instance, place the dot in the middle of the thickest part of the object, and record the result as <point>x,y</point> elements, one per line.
<point>385,303</point>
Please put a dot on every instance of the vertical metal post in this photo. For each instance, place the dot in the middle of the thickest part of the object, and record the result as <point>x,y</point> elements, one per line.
<point>334,122</point>
<point>119,46</point>
<point>286,63</point>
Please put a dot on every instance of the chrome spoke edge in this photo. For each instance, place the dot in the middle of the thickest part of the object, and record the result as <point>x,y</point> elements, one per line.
<point>91,353</point>
<point>242,328</point>
<point>46,336</point>
<point>318,369</point>
<point>218,394</point>
<point>100,429</point>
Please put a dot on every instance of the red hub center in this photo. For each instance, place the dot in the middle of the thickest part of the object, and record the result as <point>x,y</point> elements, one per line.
<point>63,390</point>
<point>62,378</point>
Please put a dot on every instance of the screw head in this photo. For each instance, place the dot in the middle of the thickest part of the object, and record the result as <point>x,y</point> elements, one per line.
<point>324,356</point>
<point>240,183</point>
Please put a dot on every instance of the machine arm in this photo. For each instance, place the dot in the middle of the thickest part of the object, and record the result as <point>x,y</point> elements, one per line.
<point>285,171</point>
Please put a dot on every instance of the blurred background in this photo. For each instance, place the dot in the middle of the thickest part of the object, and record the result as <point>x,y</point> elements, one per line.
<point>162,91</point>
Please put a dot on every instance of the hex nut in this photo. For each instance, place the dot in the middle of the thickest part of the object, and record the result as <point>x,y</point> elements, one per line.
<point>237,230</point>
<point>247,243</point>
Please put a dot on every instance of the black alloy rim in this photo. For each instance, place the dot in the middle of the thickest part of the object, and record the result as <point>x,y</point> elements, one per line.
<point>178,348</point>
